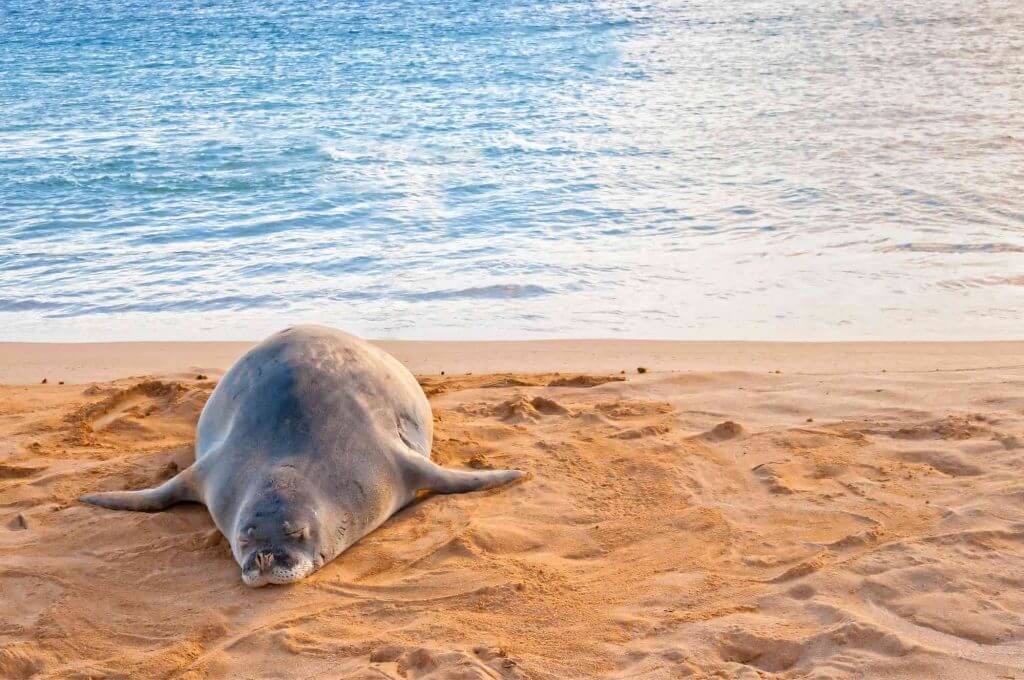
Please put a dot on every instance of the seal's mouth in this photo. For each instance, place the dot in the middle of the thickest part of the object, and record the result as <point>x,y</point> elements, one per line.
<point>277,575</point>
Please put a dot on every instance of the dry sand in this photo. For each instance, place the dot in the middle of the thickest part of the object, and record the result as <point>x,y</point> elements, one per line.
<point>858,514</point>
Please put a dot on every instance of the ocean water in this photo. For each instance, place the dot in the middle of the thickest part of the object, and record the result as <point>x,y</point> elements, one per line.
<point>747,169</point>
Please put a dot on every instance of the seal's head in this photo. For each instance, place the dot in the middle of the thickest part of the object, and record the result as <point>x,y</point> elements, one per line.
<point>278,539</point>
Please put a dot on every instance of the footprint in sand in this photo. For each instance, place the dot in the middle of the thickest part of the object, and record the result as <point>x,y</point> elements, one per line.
<point>772,654</point>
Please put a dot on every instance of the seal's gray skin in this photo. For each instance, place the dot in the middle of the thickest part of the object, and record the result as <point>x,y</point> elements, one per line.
<point>310,442</point>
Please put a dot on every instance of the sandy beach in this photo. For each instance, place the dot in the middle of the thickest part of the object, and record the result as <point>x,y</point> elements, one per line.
<point>737,510</point>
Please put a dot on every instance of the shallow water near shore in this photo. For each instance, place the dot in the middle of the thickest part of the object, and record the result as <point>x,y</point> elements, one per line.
<point>759,170</point>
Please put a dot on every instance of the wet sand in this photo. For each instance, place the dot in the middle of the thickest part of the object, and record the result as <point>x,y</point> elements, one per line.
<point>739,510</point>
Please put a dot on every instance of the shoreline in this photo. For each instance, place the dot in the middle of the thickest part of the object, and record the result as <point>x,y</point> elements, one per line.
<point>25,363</point>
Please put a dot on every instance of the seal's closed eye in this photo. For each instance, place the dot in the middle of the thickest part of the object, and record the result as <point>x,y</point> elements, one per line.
<point>245,538</point>
<point>302,533</point>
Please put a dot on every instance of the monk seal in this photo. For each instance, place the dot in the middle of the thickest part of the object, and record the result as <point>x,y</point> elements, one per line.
<point>309,442</point>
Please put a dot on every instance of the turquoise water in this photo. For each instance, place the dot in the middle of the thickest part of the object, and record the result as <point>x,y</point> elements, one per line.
<point>455,169</point>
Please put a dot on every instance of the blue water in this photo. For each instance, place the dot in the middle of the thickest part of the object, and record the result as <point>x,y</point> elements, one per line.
<point>455,169</point>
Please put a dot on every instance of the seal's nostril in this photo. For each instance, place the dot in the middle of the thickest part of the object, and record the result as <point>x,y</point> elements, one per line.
<point>264,560</point>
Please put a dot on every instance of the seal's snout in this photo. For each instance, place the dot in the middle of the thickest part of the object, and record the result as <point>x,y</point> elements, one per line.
<point>264,560</point>
<point>264,567</point>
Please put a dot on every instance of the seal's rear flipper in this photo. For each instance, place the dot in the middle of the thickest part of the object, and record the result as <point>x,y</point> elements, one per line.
<point>178,489</point>
<point>427,475</point>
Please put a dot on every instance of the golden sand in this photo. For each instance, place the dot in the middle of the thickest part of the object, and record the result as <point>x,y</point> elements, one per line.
<point>785,512</point>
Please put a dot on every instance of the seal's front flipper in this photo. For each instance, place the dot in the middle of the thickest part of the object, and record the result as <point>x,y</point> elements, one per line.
<point>429,476</point>
<point>178,489</point>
